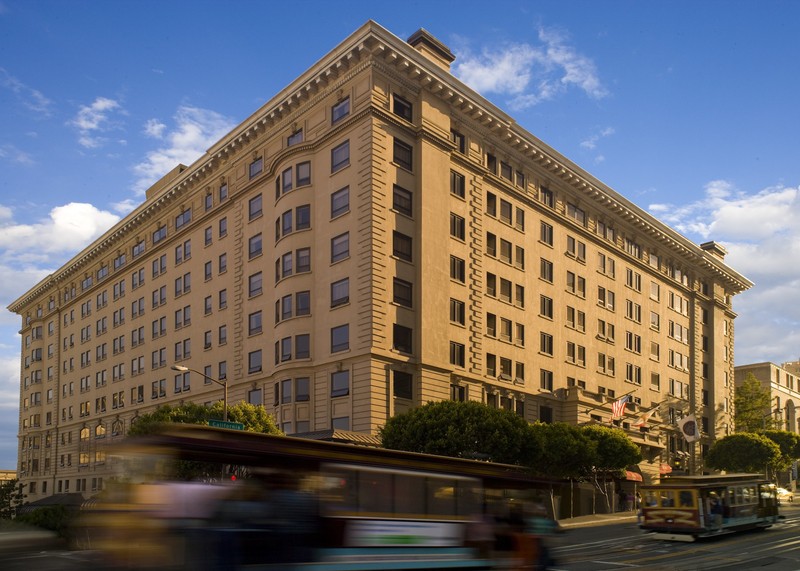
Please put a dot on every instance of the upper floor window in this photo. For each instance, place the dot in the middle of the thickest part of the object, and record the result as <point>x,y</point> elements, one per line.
<point>457,184</point>
<point>159,234</point>
<point>256,167</point>
<point>403,153</point>
<point>402,246</point>
<point>459,140</point>
<point>402,200</point>
<point>402,108</point>
<point>295,138</point>
<point>340,110</point>
<point>138,248</point>
<point>340,202</point>
<point>340,156</point>
<point>183,218</point>
<point>255,208</point>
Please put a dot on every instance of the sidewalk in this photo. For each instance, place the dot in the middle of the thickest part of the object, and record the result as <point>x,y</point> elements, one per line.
<point>598,519</point>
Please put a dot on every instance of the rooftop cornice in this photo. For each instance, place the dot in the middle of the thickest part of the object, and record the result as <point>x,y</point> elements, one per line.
<point>372,41</point>
<point>505,131</point>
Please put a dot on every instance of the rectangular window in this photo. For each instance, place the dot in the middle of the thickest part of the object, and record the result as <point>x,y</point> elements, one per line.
<point>402,200</point>
<point>402,246</point>
<point>340,383</point>
<point>340,292</point>
<point>256,167</point>
<point>457,269</point>
<point>402,384</point>
<point>457,184</point>
<point>255,284</point>
<point>340,338</point>
<point>546,270</point>
<point>303,173</point>
<point>402,339</point>
<point>340,110</point>
<point>254,207</point>
<point>457,354</point>
<point>255,246</point>
<point>340,202</point>
<point>254,361</point>
<point>340,156</point>
<point>254,323</point>
<point>457,226</point>
<point>459,140</point>
<point>295,138</point>
<point>402,292</point>
<point>402,108</point>
<point>403,154</point>
<point>457,311</point>
<point>340,247</point>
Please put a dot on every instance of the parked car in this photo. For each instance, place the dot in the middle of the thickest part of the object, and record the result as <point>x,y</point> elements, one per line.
<point>785,495</point>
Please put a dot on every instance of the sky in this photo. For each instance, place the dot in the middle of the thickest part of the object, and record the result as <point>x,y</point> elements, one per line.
<point>689,109</point>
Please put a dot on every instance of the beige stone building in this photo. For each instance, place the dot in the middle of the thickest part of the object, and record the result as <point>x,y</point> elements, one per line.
<point>377,236</point>
<point>783,383</point>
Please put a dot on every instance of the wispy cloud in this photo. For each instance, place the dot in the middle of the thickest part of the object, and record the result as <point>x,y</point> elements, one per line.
<point>194,131</point>
<point>31,98</point>
<point>530,73</point>
<point>12,154</point>
<point>761,231</point>
<point>93,121</point>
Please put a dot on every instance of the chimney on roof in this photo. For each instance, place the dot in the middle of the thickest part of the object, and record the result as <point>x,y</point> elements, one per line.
<point>433,49</point>
<point>715,249</point>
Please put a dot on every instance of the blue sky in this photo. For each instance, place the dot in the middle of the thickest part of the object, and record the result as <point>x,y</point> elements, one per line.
<point>687,108</point>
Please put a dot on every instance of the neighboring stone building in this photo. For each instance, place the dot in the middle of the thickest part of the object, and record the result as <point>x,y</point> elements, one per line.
<point>783,384</point>
<point>376,236</point>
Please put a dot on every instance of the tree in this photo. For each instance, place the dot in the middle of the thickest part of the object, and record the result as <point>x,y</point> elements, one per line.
<point>789,444</point>
<point>12,497</point>
<point>611,452</point>
<point>459,429</point>
<point>255,418</point>
<point>743,452</point>
<point>559,449</point>
<point>752,406</point>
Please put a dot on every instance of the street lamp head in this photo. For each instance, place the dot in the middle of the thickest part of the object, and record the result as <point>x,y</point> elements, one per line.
<point>180,368</point>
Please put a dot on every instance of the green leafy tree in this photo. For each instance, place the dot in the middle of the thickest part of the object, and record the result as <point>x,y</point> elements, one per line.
<point>743,452</point>
<point>12,496</point>
<point>559,449</point>
<point>752,406</point>
<point>612,452</point>
<point>789,444</point>
<point>255,418</point>
<point>459,429</point>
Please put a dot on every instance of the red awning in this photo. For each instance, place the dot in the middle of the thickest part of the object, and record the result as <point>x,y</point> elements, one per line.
<point>633,476</point>
<point>665,469</point>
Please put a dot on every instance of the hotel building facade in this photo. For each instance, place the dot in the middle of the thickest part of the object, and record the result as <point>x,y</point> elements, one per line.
<point>375,237</point>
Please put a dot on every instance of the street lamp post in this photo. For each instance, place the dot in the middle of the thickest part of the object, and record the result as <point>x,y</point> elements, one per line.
<point>224,384</point>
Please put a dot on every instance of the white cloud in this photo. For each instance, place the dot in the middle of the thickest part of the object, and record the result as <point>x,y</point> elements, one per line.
<point>195,130</point>
<point>68,229</point>
<point>154,128</point>
<point>29,97</point>
<point>530,73</point>
<point>96,119</point>
<point>591,142</point>
<point>761,231</point>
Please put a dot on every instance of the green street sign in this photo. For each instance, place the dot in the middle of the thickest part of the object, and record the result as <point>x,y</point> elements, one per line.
<point>226,424</point>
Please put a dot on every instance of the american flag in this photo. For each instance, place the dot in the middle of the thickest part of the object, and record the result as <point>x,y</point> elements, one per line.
<point>618,408</point>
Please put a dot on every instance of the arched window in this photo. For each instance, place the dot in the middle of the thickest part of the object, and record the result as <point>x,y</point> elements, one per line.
<point>85,433</point>
<point>100,431</point>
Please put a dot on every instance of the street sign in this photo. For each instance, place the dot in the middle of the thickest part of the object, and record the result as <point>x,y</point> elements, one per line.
<point>226,424</point>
